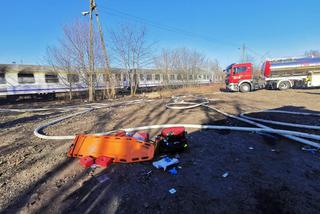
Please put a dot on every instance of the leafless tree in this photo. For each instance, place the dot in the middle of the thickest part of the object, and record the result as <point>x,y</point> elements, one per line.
<point>73,50</point>
<point>76,41</point>
<point>185,63</point>
<point>166,64</point>
<point>62,65</point>
<point>312,53</point>
<point>215,70</point>
<point>131,51</point>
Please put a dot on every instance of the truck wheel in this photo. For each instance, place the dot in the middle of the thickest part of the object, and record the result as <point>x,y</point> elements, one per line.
<point>245,87</point>
<point>284,85</point>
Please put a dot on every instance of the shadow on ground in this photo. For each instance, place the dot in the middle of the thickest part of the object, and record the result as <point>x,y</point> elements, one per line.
<point>267,174</point>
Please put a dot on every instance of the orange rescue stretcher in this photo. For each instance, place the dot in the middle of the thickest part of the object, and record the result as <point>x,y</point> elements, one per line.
<point>122,149</point>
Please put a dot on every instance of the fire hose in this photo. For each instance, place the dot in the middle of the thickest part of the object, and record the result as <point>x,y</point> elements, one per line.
<point>296,136</point>
<point>179,104</point>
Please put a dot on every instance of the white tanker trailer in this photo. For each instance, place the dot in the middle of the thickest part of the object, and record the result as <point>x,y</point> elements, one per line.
<point>280,74</point>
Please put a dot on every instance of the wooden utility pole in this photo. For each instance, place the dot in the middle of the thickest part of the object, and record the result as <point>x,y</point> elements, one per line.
<point>91,56</point>
<point>109,83</point>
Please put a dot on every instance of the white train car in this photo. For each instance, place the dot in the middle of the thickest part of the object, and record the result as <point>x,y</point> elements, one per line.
<point>153,78</point>
<point>31,80</point>
<point>18,80</point>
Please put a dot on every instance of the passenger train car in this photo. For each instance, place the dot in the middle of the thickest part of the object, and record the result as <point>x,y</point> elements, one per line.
<point>19,80</point>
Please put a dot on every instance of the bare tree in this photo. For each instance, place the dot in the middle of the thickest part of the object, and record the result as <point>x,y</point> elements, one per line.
<point>131,51</point>
<point>184,63</point>
<point>216,72</point>
<point>312,53</point>
<point>165,63</point>
<point>62,65</point>
<point>215,66</point>
<point>71,55</point>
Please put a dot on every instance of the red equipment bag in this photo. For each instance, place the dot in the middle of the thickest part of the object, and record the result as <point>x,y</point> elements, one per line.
<point>175,131</point>
<point>172,140</point>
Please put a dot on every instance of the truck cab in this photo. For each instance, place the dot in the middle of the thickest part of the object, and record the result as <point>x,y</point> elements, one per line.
<point>239,77</point>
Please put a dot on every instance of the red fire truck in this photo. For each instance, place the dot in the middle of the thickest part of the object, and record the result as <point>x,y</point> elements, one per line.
<point>279,74</point>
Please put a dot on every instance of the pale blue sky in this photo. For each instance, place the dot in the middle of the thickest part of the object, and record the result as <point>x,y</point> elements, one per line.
<point>217,28</point>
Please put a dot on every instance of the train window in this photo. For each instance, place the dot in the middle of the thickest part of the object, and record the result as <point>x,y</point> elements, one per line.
<point>185,76</point>
<point>73,78</point>
<point>2,78</point>
<point>149,77</point>
<point>104,77</point>
<point>26,78</point>
<point>172,77</point>
<point>94,77</point>
<point>190,77</point>
<point>118,77</point>
<point>51,78</point>
<point>157,77</point>
<point>135,77</point>
<point>141,77</point>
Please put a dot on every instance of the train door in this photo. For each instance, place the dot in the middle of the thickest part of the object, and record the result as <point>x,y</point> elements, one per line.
<point>3,84</point>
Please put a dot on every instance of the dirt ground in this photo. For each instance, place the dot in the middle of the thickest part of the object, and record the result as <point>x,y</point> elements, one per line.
<point>266,173</point>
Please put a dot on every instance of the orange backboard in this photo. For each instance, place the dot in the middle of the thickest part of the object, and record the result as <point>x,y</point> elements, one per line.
<point>121,149</point>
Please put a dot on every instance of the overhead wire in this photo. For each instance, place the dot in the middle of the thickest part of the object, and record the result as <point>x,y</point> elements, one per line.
<point>210,39</point>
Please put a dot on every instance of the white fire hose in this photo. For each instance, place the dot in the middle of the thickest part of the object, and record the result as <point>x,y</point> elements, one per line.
<point>179,104</point>
<point>243,115</point>
<point>250,120</point>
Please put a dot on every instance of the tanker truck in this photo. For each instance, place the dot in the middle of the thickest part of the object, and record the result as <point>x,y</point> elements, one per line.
<point>281,74</point>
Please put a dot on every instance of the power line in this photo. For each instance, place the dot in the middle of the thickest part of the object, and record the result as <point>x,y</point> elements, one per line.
<point>114,12</point>
<point>254,52</point>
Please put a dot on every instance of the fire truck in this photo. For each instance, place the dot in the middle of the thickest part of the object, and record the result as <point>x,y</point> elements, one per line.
<point>281,74</point>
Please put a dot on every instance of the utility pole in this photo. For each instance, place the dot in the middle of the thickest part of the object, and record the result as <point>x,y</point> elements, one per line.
<point>91,56</point>
<point>244,57</point>
<point>109,88</point>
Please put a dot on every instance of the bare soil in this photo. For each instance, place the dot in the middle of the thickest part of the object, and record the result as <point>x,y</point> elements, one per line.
<point>267,174</point>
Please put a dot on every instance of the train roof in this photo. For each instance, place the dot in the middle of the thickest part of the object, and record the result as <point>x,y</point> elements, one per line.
<point>47,69</point>
<point>26,68</point>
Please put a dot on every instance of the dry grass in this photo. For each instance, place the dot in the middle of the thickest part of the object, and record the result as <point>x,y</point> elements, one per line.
<point>202,89</point>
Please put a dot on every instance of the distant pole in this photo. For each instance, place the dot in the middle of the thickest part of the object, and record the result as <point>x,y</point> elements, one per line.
<point>105,55</point>
<point>91,57</point>
<point>244,57</point>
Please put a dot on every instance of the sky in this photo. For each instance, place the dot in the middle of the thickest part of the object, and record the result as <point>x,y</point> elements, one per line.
<point>268,28</point>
